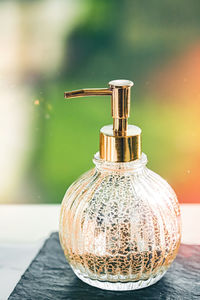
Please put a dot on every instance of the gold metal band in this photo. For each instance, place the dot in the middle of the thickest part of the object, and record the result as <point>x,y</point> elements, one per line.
<point>120,148</point>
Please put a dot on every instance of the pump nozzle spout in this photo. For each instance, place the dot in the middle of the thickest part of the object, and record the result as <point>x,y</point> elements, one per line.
<point>119,142</point>
<point>87,92</point>
<point>120,92</point>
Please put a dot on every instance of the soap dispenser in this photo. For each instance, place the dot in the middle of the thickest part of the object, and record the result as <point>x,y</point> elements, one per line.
<point>120,223</point>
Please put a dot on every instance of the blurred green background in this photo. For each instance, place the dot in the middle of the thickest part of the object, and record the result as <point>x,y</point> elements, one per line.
<point>49,46</point>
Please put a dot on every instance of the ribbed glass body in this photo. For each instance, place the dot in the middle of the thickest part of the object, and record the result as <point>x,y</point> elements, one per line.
<point>120,225</point>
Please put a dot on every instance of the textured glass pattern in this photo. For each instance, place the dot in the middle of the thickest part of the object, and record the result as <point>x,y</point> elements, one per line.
<point>120,225</point>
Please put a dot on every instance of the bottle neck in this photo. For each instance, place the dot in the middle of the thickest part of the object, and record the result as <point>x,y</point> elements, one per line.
<point>132,166</point>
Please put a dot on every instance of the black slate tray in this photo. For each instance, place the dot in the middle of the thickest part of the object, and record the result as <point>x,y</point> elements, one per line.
<point>49,276</point>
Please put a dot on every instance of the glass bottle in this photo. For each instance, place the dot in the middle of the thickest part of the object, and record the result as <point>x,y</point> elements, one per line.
<point>120,223</point>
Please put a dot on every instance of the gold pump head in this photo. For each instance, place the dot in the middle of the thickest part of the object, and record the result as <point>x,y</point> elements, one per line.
<point>119,142</point>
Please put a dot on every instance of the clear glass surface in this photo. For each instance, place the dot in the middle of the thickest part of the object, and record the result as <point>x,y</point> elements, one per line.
<point>120,225</point>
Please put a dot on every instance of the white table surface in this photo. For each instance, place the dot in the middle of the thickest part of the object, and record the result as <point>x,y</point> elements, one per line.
<point>23,229</point>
